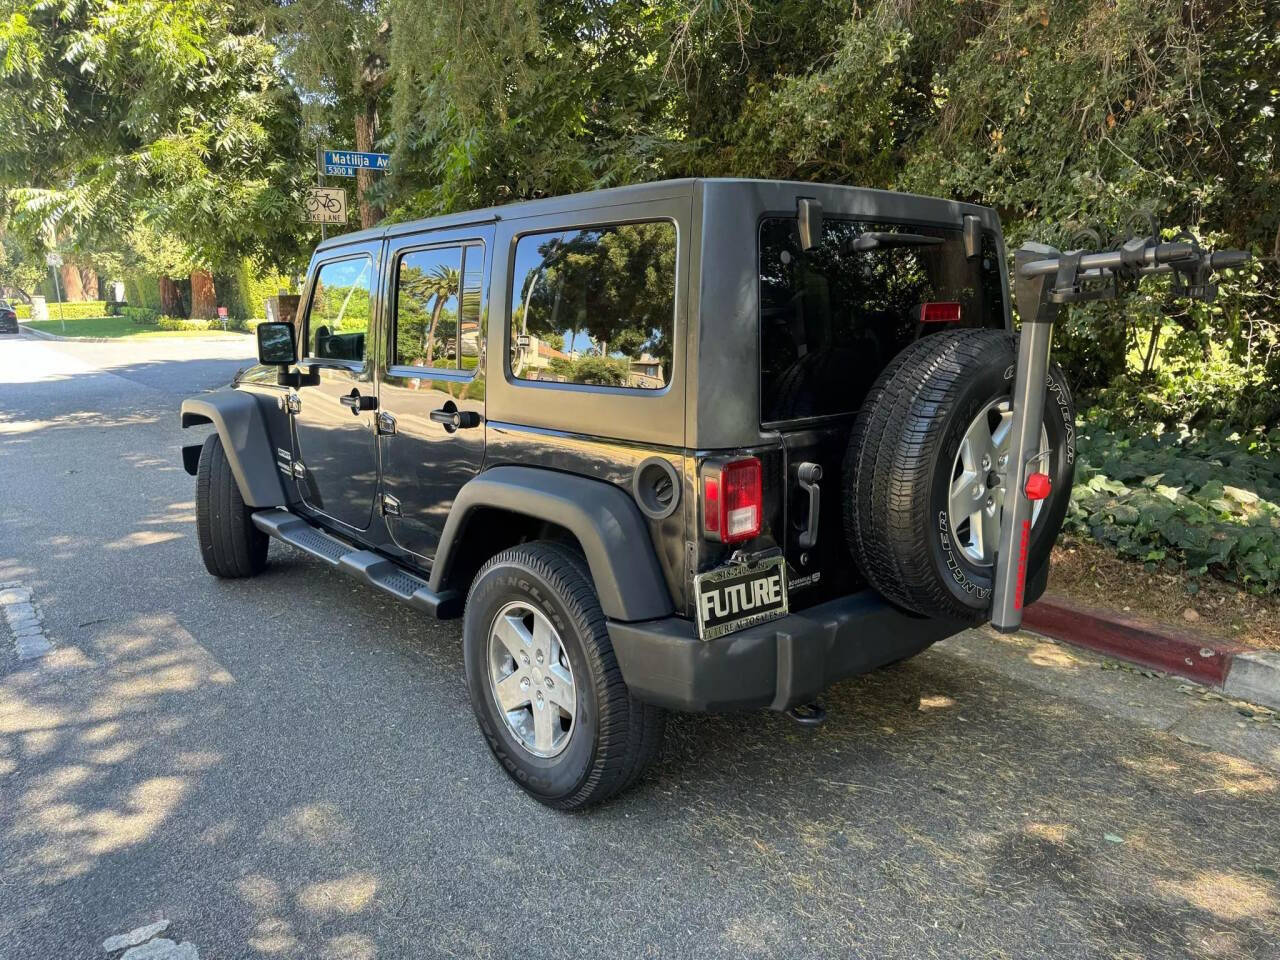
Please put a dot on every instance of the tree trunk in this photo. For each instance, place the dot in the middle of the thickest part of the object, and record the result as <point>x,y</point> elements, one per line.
<point>72,289</point>
<point>366,125</point>
<point>204,302</point>
<point>170,298</point>
<point>89,283</point>
<point>431,336</point>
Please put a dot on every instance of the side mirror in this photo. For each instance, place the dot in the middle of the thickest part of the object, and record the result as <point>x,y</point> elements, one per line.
<point>276,346</point>
<point>809,219</point>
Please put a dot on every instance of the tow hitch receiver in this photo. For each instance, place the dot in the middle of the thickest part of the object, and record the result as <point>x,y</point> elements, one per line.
<point>1044,279</point>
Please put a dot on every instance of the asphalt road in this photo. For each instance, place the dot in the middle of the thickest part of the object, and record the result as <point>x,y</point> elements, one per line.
<point>288,766</point>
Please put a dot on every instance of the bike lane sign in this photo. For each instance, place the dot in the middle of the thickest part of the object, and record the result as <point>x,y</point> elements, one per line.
<point>325,205</point>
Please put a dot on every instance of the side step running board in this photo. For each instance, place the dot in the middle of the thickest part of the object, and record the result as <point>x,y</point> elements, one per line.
<point>375,570</point>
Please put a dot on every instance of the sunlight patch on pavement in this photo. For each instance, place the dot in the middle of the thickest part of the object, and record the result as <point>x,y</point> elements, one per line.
<point>142,538</point>
<point>345,895</point>
<point>1231,896</point>
<point>939,701</point>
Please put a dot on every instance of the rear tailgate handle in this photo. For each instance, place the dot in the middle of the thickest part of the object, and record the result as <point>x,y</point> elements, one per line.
<point>808,475</point>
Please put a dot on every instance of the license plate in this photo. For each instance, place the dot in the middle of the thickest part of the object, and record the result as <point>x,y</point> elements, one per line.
<point>735,597</point>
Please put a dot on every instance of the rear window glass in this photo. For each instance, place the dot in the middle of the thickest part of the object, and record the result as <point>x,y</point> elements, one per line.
<point>595,306</point>
<point>832,317</point>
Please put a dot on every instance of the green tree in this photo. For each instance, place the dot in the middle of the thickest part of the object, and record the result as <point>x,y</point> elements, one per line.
<point>112,111</point>
<point>336,54</point>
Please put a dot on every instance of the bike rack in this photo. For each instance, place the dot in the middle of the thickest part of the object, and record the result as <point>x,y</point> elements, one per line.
<point>1044,279</point>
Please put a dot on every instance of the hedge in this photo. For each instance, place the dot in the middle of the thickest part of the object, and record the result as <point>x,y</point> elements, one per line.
<point>79,310</point>
<point>183,323</point>
<point>140,315</point>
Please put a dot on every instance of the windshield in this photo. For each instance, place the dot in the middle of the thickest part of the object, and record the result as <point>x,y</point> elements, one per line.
<point>832,317</point>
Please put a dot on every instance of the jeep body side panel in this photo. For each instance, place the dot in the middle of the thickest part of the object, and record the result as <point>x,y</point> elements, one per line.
<point>606,522</point>
<point>613,462</point>
<point>725,404</point>
<point>239,420</point>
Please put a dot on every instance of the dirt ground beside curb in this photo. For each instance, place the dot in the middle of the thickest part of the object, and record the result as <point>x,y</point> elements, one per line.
<point>1093,575</point>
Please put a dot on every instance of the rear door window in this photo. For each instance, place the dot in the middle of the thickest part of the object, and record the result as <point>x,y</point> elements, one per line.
<point>832,317</point>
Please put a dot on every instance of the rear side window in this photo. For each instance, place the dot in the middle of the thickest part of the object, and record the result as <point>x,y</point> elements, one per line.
<point>437,312</point>
<point>338,321</point>
<point>832,317</point>
<point>595,306</point>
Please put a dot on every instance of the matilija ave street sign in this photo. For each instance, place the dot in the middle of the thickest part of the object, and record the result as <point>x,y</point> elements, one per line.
<point>345,163</point>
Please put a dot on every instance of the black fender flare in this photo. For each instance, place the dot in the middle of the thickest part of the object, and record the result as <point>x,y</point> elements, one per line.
<point>605,520</point>
<point>238,419</point>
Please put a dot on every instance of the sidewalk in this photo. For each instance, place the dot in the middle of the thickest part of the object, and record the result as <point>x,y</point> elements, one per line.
<point>1238,671</point>
<point>212,337</point>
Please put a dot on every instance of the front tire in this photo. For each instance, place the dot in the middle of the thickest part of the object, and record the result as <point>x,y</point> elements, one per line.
<point>545,684</point>
<point>230,545</point>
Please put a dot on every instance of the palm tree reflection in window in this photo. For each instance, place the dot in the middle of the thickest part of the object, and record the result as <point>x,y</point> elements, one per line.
<point>427,311</point>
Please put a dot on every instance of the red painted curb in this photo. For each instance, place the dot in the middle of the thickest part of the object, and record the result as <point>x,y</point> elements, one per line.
<point>1160,646</point>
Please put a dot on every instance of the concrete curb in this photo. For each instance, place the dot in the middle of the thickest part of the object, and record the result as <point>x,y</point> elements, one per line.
<point>1238,671</point>
<point>43,335</point>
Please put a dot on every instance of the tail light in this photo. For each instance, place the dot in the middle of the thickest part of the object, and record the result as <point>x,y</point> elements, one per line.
<point>940,311</point>
<point>732,499</point>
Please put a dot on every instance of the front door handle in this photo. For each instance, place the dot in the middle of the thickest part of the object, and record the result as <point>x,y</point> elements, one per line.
<point>455,419</point>
<point>358,403</point>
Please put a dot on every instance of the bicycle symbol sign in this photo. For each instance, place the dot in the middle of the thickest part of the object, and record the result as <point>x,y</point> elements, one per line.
<point>325,205</point>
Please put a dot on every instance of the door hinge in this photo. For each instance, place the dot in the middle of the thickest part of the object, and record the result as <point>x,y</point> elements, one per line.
<point>299,469</point>
<point>292,402</point>
<point>390,506</point>
<point>386,425</point>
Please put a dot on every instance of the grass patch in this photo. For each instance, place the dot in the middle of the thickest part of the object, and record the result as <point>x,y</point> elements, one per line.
<point>116,328</point>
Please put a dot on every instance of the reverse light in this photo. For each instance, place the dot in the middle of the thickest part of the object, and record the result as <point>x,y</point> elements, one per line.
<point>732,499</point>
<point>940,311</point>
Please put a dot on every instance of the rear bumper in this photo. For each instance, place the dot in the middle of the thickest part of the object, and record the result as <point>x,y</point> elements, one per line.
<point>778,664</point>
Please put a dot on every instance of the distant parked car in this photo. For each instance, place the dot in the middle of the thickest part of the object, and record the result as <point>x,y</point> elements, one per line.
<point>8,317</point>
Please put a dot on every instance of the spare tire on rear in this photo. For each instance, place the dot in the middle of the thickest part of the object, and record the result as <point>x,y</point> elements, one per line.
<point>926,469</point>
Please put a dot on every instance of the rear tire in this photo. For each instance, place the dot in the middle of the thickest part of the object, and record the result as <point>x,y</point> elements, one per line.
<point>230,545</point>
<point>604,743</point>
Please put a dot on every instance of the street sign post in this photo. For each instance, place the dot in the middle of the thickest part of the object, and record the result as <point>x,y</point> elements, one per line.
<point>321,205</point>
<point>325,205</point>
<point>54,259</point>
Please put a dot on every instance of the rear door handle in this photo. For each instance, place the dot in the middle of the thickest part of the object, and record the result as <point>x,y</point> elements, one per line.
<point>456,419</point>
<point>358,403</point>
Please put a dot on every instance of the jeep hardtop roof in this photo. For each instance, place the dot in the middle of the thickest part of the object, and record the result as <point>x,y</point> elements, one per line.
<point>883,203</point>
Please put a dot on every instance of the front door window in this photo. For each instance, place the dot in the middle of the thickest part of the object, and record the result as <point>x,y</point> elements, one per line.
<point>338,324</point>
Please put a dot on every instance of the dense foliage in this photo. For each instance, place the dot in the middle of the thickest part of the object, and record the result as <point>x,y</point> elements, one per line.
<point>1206,499</point>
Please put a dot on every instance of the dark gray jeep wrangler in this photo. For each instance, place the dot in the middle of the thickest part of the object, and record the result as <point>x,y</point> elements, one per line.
<point>694,445</point>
